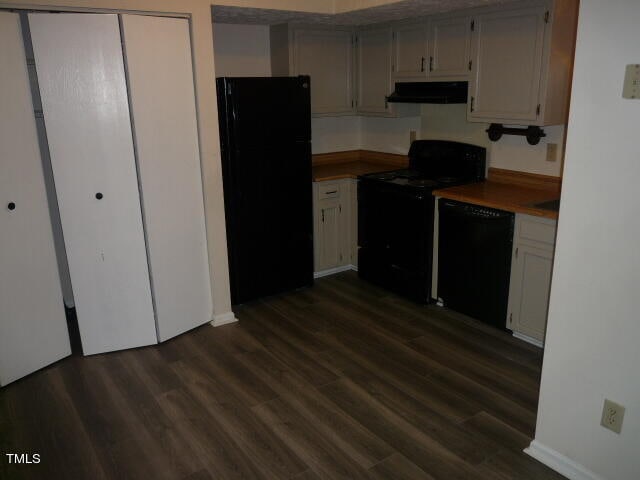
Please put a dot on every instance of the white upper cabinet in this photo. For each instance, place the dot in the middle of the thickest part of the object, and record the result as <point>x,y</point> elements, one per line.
<point>326,55</point>
<point>435,49</point>
<point>508,59</point>
<point>449,47</point>
<point>373,60</point>
<point>522,61</point>
<point>410,52</point>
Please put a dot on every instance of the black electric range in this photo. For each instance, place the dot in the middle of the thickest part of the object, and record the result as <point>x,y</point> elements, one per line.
<point>396,211</point>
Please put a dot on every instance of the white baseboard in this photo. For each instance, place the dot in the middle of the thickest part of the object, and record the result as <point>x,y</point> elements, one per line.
<point>332,271</point>
<point>558,462</point>
<point>528,339</point>
<point>223,319</point>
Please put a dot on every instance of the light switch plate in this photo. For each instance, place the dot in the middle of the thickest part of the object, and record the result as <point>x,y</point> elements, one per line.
<point>631,88</point>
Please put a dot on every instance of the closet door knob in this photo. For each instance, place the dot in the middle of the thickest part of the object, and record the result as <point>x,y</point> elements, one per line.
<point>11,206</point>
<point>99,196</point>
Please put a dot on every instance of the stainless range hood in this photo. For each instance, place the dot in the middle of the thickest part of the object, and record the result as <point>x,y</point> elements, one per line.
<point>429,92</point>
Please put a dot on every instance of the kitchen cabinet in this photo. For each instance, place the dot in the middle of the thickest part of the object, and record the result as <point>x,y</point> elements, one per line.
<point>373,60</point>
<point>521,64</point>
<point>531,268</point>
<point>326,55</point>
<point>435,49</point>
<point>33,327</point>
<point>374,51</point>
<point>335,226</point>
<point>449,47</point>
<point>409,51</point>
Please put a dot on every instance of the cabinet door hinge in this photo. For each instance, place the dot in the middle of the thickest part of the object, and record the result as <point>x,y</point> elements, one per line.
<point>473,25</point>
<point>538,110</point>
<point>546,16</point>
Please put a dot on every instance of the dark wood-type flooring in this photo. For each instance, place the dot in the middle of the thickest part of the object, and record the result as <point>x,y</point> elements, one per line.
<point>342,380</point>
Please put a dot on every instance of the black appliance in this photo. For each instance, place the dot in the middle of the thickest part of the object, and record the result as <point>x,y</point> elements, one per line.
<point>265,136</point>
<point>474,260</point>
<point>396,210</point>
<point>429,92</point>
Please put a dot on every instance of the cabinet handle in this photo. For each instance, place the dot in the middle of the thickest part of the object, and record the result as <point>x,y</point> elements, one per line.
<point>431,64</point>
<point>422,64</point>
<point>332,191</point>
<point>472,99</point>
<point>99,196</point>
<point>11,206</point>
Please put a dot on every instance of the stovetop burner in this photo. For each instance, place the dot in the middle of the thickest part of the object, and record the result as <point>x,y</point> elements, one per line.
<point>448,179</point>
<point>412,178</point>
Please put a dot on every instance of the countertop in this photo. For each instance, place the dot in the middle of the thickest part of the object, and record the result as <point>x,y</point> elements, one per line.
<point>339,165</point>
<point>513,196</point>
<point>348,170</point>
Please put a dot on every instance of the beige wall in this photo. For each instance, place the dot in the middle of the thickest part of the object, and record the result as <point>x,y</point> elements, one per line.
<point>591,349</point>
<point>204,71</point>
<point>335,134</point>
<point>241,50</point>
<point>391,135</point>
<point>448,122</point>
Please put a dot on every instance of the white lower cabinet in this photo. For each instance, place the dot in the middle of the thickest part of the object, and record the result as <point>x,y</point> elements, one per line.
<point>335,225</point>
<point>33,328</point>
<point>531,268</point>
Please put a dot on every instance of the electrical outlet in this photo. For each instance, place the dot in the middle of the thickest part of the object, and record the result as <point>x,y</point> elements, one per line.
<point>612,416</point>
<point>552,152</point>
<point>412,136</point>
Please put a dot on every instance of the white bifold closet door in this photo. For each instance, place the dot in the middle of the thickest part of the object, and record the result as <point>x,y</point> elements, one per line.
<point>33,328</point>
<point>161,91</point>
<point>80,69</point>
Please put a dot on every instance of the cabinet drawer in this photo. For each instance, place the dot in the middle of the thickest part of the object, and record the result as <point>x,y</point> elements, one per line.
<point>537,230</point>
<point>328,190</point>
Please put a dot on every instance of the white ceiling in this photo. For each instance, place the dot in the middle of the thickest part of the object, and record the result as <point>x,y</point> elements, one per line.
<point>394,11</point>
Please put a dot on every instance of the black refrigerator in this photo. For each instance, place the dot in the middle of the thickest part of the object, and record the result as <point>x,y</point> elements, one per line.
<point>265,140</point>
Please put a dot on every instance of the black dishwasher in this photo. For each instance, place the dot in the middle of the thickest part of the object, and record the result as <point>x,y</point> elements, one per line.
<point>474,260</point>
